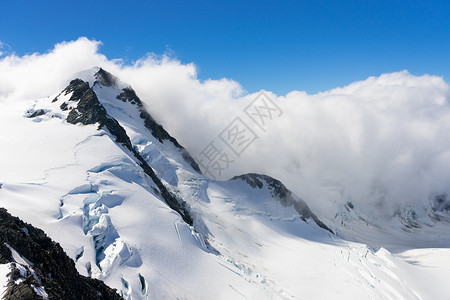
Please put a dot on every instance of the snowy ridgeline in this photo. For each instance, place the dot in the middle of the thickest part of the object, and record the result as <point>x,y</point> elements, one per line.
<point>92,168</point>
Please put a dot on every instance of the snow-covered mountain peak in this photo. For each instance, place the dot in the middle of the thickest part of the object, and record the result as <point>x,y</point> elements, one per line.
<point>130,207</point>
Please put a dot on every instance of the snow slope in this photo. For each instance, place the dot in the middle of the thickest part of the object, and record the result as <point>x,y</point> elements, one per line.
<point>91,192</point>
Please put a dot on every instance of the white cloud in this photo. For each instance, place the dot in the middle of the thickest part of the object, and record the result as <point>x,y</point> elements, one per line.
<point>381,142</point>
<point>37,75</point>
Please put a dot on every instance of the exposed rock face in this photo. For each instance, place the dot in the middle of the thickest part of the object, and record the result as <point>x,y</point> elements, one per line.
<point>49,268</point>
<point>37,113</point>
<point>279,192</point>
<point>441,202</point>
<point>78,87</point>
<point>90,111</point>
<point>128,94</point>
<point>105,78</point>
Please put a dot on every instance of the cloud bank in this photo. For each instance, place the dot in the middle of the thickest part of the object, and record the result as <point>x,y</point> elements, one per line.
<point>381,142</point>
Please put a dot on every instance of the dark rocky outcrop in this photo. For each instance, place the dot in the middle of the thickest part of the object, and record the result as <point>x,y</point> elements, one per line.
<point>88,111</point>
<point>78,87</point>
<point>349,205</point>
<point>105,78</point>
<point>49,268</point>
<point>64,106</point>
<point>129,95</point>
<point>441,202</point>
<point>37,113</point>
<point>282,194</point>
<point>22,291</point>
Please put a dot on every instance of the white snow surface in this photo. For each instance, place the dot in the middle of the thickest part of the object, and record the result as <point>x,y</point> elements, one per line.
<point>88,193</point>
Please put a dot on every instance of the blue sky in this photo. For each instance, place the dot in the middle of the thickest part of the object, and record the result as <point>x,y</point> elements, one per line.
<point>273,45</point>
